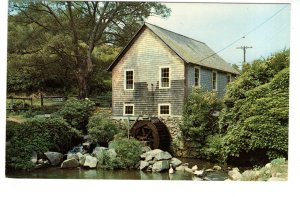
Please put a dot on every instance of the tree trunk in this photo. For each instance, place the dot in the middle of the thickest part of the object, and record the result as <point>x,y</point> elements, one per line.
<point>82,79</point>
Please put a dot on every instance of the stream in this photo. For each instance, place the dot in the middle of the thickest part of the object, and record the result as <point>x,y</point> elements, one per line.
<point>80,173</point>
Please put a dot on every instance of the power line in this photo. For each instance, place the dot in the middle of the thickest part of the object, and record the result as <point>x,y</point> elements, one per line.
<point>246,34</point>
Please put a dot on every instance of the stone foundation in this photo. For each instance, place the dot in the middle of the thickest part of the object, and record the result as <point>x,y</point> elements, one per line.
<point>179,146</point>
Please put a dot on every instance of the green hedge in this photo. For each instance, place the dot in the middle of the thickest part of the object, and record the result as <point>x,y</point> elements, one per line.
<point>77,112</point>
<point>39,135</point>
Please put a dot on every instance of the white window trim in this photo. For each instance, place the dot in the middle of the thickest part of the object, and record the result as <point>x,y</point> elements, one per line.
<point>163,104</point>
<point>197,67</point>
<point>160,87</point>
<point>125,79</point>
<point>212,80</point>
<point>124,106</point>
<point>229,75</point>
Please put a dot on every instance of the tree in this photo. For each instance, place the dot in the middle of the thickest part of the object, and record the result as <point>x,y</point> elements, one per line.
<point>79,27</point>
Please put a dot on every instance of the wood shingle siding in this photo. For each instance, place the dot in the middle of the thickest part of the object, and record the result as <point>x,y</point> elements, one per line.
<point>146,56</point>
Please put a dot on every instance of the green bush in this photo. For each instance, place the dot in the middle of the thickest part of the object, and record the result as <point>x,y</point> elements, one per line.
<point>128,153</point>
<point>101,128</point>
<point>77,112</point>
<point>199,115</point>
<point>212,150</point>
<point>39,135</point>
<point>255,117</point>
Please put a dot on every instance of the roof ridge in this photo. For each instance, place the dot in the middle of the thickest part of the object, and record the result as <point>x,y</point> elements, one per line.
<point>175,33</point>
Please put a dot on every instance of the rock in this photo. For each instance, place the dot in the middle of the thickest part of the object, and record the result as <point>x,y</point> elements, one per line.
<point>148,158</point>
<point>146,149</point>
<point>209,170</point>
<point>217,168</point>
<point>185,164</point>
<point>73,156</point>
<point>86,145</point>
<point>250,175</point>
<point>76,149</point>
<point>152,162</point>
<point>160,165</point>
<point>33,157</point>
<point>194,168</point>
<point>175,162</point>
<point>199,173</point>
<point>234,174</point>
<point>40,161</point>
<point>55,158</point>
<point>187,169</point>
<point>70,163</point>
<point>98,150</point>
<point>268,165</point>
<point>163,156</point>
<point>180,168</point>
<point>143,165</point>
<point>194,178</point>
<point>90,162</point>
<point>81,158</point>
<point>151,152</point>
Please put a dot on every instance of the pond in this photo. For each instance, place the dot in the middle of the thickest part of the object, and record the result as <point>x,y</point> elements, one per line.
<point>79,173</point>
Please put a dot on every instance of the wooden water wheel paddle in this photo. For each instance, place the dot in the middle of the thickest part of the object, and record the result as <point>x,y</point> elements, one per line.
<point>153,133</point>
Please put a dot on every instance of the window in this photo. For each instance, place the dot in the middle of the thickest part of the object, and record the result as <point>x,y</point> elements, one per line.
<point>128,109</point>
<point>164,109</point>
<point>165,77</point>
<point>228,78</point>
<point>214,80</point>
<point>197,73</point>
<point>128,79</point>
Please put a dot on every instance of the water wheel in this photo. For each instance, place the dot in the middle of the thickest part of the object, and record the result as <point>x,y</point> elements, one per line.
<point>153,133</point>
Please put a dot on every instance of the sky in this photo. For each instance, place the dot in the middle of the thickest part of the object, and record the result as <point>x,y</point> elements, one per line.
<point>219,25</point>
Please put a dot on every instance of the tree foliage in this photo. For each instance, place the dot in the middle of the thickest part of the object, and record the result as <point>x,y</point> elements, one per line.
<point>58,44</point>
<point>255,118</point>
<point>200,115</point>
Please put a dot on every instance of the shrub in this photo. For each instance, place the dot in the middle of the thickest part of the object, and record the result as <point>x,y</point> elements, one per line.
<point>39,135</point>
<point>77,112</point>
<point>255,117</point>
<point>128,153</point>
<point>101,128</point>
<point>199,115</point>
<point>212,150</point>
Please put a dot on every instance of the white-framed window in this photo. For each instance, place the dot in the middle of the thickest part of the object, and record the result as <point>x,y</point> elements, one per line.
<point>229,78</point>
<point>164,109</point>
<point>128,109</point>
<point>164,77</point>
<point>128,79</point>
<point>197,76</point>
<point>214,80</point>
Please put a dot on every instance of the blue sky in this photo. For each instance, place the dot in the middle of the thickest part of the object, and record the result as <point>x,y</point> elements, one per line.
<point>218,25</point>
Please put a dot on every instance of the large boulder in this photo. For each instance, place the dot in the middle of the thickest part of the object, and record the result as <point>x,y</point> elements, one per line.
<point>143,165</point>
<point>234,174</point>
<point>163,156</point>
<point>70,163</point>
<point>81,158</point>
<point>73,156</point>
<point>55,158</point>
<point>151,152</point>
<point>161,165</point>
<point>175,162</point>
<point>90,162</point>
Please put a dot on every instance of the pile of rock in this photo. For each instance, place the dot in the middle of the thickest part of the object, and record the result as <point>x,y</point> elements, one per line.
<point>157,160</point>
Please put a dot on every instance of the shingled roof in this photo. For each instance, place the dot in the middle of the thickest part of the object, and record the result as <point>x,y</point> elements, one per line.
<point>188,49</point>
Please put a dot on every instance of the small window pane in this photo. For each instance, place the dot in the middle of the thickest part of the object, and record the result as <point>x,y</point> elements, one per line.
<point>129,80</point>
<point>165,80</point>
<point>214,81</point>
<point>197,76</point>
<point>129,110</point>
<point>228,78</point>
<point>164,109</point>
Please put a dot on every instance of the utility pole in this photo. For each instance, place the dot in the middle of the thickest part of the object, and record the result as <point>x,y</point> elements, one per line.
<point>244,49</point>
